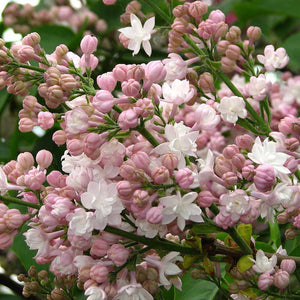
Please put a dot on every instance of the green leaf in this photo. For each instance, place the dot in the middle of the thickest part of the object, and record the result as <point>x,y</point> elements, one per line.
<point>9,297</point>
<point>245,230</point>
<point>292,46</point>
<point>203,228</point>
<point>295,252</point>
<point>245,263</point>
<point>196,289</point>
<point>275,234</point>
<point>264,246</point>
<point>54,35</point>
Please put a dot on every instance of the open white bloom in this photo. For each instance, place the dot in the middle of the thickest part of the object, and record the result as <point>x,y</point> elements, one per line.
<point>177,92</point>
<point>181,142</point>
<point>175,66</point>
<point>102,197</point>
<point>137,34</point>
<point>95,293</point>
<point>259,87</point>
<point>232,108</point>
<point>206,118</point>
<point>133,291</point>
<point>266,154</point>
<point>149,230</point>
<point>181,208</point>
<point>273,59</point>
<point>166,266</point>
<point>263,264</point>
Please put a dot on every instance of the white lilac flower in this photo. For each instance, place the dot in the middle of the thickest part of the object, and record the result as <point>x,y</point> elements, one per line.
<point>102,197</point>
<point>180,208</point>
<point>133,291</point>
<point>235,204</point>
<point>263,264</point>
<point>181,142</point>
<point>137,34</point>
<point>232,108</point>
<point>149,230</point>
<point>259,87</point>
<point>206,118</point>
<point>273,59</point>
<point>291,91</point>
<point>5,186</point>
<point>177,92</point>
<point>81,223</point>
<point>175,66</point>
<point>265,153</point>
<point>166,266</point>
<point>95,293</point>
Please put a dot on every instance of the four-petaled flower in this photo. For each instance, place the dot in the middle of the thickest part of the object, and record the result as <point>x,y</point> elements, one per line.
<point>266,154</point>
<point>137,34</point>
<point>181,208</point>
<point>263,264</point>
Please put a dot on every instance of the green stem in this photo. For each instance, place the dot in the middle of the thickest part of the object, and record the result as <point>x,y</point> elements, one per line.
<point>194,46</point>
<point>154,243</point>
<point>30,67</point>
<point>18,201</point>
<point>117,109</point>
<point>147,135</point>
<point>159,11</point>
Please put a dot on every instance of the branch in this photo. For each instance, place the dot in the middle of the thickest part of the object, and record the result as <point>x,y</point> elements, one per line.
<point>10,199</point>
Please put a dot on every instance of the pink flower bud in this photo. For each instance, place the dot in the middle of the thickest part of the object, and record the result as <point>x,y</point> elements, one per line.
<point>140,198</point>
<point>253,33</point>
<point>154,215</point>
<point>59,137</point>
<point>184,177</point>
<point>103,101</point>
<point>227,64</point>
<point>136,72</point>
<point>221,30</point>
<point>131,88</point>
<point>107,81</point>
<point>26,53</point>
<point>217,16</point>
<point>281,279</point>
<point>206,198</point>
<point>25,160</point>
<point>244,141</point>
<point>88,44</point>
<point>197,9</point>
<point>56,179</point>
<point>141,160</point>
<point>222,46</point>
<point>93,140</point>
<point>45,120</point>
<point>31,39</point>
<point>233,52</point>
<point>128,119</point>
<point>160,175</point>
<point>234,34</point>
<point>288,265</point>
<point>109,2</point>
<point>265,281</point>
<point>7,239</point>
<point>283,218</point>
<point>128,171</point>
<point>13,219</point>
<point>99,273</point>
<point>99,248</point>
<point>292,164</point>
<point>3,209</point>
<point>125,189</point>
<point>170,161</point>
<point>118,254</point>
<point>26,125</point>
<point>120,72</point>
<point>238,161</point>
<point>44,158</point>
<point>144,107</point>
<point>292,144</point>
<point>68,82</point>
<point>75,147</point>
<point>264,178</point>
<point>155,71</point>
<point>206,82</point>
<point>230,150</point>
<point>230,178</point>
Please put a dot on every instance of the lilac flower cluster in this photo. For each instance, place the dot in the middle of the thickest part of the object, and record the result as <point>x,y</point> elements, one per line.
<point>154,152</point>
